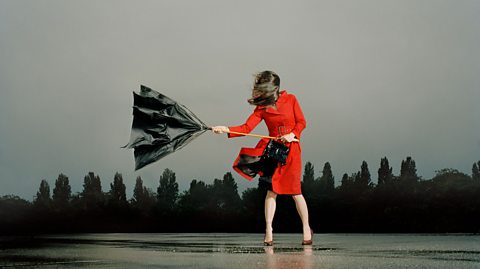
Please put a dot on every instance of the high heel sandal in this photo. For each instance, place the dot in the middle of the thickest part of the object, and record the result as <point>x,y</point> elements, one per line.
<point>267,243</point>
<point>308,242</point>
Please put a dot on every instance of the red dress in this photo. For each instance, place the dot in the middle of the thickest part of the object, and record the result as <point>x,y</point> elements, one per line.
<point>287,118</point>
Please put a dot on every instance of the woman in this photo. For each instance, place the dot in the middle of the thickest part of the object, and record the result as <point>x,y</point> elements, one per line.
<point>284,118</point>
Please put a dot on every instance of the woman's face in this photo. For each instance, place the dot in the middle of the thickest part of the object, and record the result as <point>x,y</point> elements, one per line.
<point>256,93</point>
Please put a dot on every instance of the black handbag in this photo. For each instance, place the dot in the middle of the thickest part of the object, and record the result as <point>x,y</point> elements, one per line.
<point>276,151</point>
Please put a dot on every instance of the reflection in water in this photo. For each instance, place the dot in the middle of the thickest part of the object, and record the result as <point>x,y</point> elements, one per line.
<point>238,251</point>
<point>301,260</point>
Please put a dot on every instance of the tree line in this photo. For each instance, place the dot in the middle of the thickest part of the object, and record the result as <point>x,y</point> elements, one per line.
<point>448,202</point>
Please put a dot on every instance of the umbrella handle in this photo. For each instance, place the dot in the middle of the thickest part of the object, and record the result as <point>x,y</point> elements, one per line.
<point>254,135</point>
<point>261,136</point>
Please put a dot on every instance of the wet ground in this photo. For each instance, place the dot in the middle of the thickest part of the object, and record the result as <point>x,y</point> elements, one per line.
<point>240,251</point>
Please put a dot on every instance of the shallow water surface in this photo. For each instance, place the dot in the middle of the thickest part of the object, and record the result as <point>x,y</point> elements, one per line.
<point>240,251</point>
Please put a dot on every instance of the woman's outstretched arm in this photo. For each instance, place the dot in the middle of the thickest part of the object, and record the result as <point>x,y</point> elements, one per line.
<point>252,122</point>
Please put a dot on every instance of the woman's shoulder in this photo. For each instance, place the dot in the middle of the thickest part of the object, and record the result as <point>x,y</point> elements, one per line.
<point>286,96</point>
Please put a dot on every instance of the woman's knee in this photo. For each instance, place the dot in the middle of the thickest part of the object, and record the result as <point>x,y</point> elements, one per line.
<point>298,197</point>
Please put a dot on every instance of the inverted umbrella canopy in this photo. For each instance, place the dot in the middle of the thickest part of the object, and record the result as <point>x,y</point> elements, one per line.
<point>160,126</point>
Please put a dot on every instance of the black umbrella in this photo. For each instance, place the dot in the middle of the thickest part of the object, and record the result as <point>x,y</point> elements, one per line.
<point>161,126</point>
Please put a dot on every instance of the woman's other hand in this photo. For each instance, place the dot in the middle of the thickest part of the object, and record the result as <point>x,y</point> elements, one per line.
<point>289,138</point>
<point>220,129</point>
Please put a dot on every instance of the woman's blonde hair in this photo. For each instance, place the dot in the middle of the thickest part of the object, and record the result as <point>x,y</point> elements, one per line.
<point>265,89</point>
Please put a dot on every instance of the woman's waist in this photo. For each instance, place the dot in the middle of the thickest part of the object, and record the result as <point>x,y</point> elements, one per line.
<point>279,130</point>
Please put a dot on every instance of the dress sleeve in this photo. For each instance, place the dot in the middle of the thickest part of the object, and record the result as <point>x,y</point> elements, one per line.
<point>300,122</point>
<point>252,122</point>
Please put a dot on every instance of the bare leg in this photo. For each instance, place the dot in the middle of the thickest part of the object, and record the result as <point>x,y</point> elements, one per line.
<point>270,205</point>
<point>302,209</point>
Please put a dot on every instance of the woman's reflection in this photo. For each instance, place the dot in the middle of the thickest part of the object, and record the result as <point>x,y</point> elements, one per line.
<point>287,260</point>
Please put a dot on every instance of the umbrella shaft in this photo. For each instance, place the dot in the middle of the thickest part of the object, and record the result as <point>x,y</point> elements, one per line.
<point>254,135</point>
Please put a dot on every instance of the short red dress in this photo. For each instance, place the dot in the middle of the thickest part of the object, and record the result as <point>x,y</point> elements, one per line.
<point>287,118</point>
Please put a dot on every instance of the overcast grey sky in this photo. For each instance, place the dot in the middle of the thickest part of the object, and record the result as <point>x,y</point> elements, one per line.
<point>374,78</point>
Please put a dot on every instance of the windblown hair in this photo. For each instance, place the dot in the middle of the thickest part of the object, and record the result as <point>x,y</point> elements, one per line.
<point>265,89</point>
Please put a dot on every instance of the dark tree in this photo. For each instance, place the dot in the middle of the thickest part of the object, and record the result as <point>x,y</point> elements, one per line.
<point>92,194</point>
<point>476,171</point>
<point>197,202</point>
<point>138,192</point>
<point>224,195</point>
<point>346,180</point>
<point>385,174</point>
<point>43,195</point>
<point>167,191</point>
<point>117,194</point>
<point>14,216</point>
<point>408,170</point>
<point>308,174</point>
<point>363,177</point>
<point>446,203</point>
<point>450,175</point>
<point>309,184</point>
<point>327,181</point>
<point>62,192</point>
<point>229,193</point>
<point>143,198</point>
